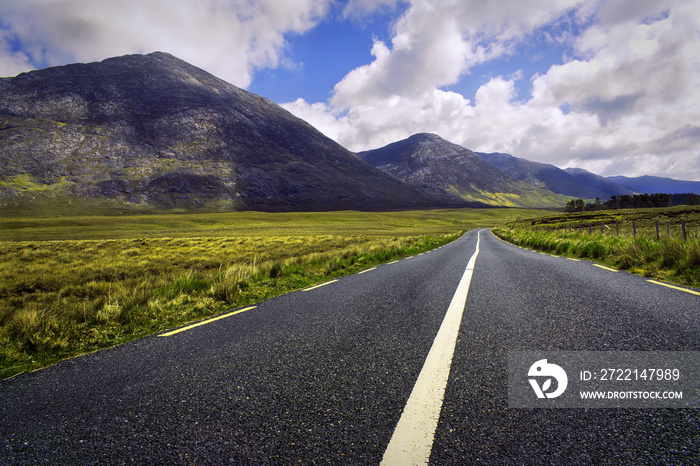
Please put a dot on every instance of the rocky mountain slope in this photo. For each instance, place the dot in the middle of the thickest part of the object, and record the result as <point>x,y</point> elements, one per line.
<point>573,183</point>
<point>430,160</point>
<point>152,130</point>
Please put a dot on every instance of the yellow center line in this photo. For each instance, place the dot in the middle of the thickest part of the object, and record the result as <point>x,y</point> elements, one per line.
<point>394,262</point>
<point>208,321</point>
<point>368,270</point>
<point>319,286</point>
<point>674,287</point>
<point>604,267</point>
<point>575,260</point>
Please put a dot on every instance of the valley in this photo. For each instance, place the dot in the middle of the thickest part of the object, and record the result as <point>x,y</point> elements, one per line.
<point>70,285</point>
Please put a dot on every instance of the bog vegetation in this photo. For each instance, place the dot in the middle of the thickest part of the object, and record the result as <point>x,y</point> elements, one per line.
<point>661,243</point>
<point>74,285</point>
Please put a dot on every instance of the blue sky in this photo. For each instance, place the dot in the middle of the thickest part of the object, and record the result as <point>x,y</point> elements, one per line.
<point>612,86</point>
<point>321,57</point>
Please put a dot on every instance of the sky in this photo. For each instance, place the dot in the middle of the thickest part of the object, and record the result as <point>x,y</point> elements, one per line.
<point>611,86</point>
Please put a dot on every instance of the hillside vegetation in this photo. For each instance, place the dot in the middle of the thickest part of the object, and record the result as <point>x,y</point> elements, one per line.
<point>649,242</point>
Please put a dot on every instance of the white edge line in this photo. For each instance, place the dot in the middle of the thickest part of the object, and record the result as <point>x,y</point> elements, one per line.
<point>368,270</point>
<point>412,440</point>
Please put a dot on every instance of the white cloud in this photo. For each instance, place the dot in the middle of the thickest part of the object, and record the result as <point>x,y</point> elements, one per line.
<point>230,39</point>
<point>11,62</point>
<point>437,42</point>
<point>319,115</point>
<point>629,83</point>
<point>631,96</point>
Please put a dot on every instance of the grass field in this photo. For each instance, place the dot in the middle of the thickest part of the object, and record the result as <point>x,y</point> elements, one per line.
<point>627,239</point>
<point>70,285</point>
<point>419,222</point>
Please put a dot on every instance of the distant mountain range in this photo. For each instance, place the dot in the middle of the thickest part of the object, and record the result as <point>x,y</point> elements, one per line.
<point>655,184</point>
<point>582,184</point>
<point>152,131</point>
<point>429,160</point>
<point>573,183</point>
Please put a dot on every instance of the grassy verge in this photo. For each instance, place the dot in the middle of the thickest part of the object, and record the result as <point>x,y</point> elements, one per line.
<point>70,285</point>
<point>669,259</point>
<point>65,298</point>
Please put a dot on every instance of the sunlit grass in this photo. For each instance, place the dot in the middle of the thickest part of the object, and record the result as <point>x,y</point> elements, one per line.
<point>74,285</point>
<point>666,258</point>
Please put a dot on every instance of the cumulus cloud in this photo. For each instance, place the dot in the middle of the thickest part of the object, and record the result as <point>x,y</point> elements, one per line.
<point>231,38</point>
<point>435,42</point>
<point>625,100</point>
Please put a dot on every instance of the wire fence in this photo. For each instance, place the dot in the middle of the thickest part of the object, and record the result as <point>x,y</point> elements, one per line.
<point>644,228</point>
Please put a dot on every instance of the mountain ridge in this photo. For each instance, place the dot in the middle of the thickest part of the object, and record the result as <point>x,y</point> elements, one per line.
<point>153,130</point>
<point>576,183</point>
<point>431,160</point>
<point>656,184</point>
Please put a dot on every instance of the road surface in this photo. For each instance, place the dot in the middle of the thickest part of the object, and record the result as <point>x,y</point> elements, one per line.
<point>323,376</point>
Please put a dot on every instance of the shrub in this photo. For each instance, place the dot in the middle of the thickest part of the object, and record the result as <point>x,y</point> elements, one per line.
<point>693,253</point>
<point>672,252</point>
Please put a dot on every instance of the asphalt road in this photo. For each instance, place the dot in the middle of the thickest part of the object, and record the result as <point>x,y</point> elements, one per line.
<point>322,376</point>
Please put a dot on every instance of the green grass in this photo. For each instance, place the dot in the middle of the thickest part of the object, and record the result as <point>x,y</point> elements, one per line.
<point>130,226</point>
<point>664,258</point>
<point>71,285</point>
<point>621,221</point>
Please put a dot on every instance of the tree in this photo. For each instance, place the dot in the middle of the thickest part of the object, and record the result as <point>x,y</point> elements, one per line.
<point>625,201</point>
<point>575,206</point>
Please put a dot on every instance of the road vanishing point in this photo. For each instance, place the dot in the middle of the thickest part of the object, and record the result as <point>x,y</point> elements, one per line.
<point>405,363</point>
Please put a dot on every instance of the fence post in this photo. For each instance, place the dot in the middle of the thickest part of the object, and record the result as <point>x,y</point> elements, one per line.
<point>634,229</point>
<point>590,228</point>
<point>685,236</point>
<point>601,228</point>
<point>657,230</point>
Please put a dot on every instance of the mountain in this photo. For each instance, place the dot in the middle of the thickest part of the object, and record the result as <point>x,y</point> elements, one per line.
<point>655,184</point>
<point>429,160</point>
<point>596,182</point>
<point>155,131</point>
<point>571,182</point>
